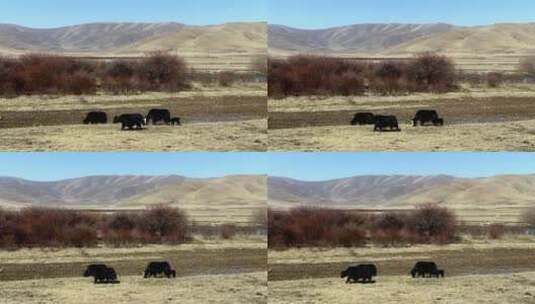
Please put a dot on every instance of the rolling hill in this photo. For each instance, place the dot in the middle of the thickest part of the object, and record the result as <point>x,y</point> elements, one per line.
<point>109,39</point>
<point>404,39</point>
<point>229,199</point>
<point>400,192</point>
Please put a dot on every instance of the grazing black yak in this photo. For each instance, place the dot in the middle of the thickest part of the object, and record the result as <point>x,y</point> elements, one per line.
<point>96,118</point>
<point>386,122</point>
<point>363,119</point>
<point>101,273</point>
<point>157,115</point>
<point>154,269</point>
<point>425,116</point>
<point>175,121</point>
<point>364,272</point>
<point>426,269</point>
<point>129,121</point>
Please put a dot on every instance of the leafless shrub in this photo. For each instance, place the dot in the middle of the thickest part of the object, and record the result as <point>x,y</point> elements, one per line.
<point>259,65</point>
<point>227,231</point>
<point>527,66</point>
<point>432,223</point>
<point>496,231</point>
<point>226,78</point>
<point>162,71</point>
<point>528,216</point>
<point>494,79</point>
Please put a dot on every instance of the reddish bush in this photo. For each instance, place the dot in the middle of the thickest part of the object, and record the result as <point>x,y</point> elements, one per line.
<point>226,78</point>
<point>227,231</point>
<point>432,223</point>
<point>389,228</point>
<point>314,75</point>
<point>40,227</point>
<point>50,74</point>
<point>496,231</point>
<point>165,224</point>
<point>432,72</point>
<point>162,71</point>
<point>314,227</point>
<point>495,79</point>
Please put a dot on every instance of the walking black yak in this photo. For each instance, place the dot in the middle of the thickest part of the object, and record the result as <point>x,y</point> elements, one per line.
<point>129,121</point>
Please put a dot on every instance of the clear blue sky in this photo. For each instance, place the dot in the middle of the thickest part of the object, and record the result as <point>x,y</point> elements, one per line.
<point>56,166</point>
<point>54,13</point>
<point>305,166</point>
<point>325,166</point>
<point>322,13</point>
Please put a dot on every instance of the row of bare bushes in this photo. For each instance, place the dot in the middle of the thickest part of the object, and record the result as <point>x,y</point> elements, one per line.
<point>312,227</point>
<point>315,75</point>
<point>51,74</point>
<point>160,224</point>
<point>42,227</point>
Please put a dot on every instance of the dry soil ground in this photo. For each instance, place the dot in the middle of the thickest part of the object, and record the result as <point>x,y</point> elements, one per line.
<point>207,272</point>
<point>476,272</point>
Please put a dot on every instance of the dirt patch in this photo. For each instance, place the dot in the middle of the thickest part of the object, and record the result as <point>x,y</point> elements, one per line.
<point>187,263</point>
<point>468,261</point>
<point>461,110</point>
<point>191,109</point>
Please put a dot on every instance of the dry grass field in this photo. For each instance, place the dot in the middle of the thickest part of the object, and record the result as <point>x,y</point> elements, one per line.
<point>247,135</point>
<point>230,288</point>
<point>505,136</point>
<point>476,120</point>
<point>214,119</point>
<point>477,271</point>
<point>504,288</point>
<point>212,271</point>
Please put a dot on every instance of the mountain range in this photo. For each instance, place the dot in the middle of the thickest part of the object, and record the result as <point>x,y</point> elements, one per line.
<point>134,191</point>
<point>396,191</point>
<point>393,39</point>
<point>134,38</point>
